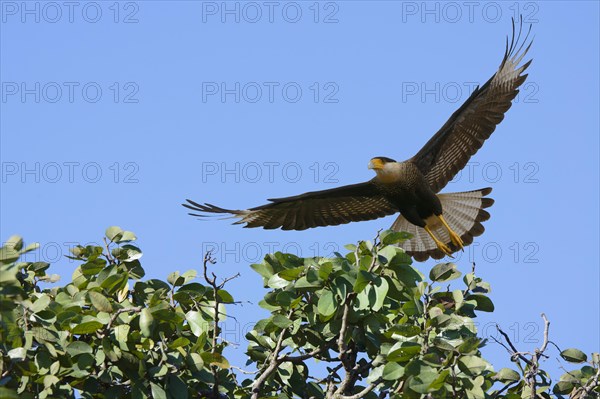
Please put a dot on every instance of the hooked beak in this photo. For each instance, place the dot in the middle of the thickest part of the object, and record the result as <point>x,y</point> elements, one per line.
<point>375,164</point>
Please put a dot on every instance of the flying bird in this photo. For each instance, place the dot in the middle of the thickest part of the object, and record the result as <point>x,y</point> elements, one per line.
<point>440,223</point>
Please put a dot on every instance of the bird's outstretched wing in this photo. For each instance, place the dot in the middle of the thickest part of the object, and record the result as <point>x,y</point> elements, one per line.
<point>449,150</point>
<point>353,203</point>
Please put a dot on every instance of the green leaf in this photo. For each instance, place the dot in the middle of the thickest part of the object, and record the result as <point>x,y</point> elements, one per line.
<point>563,388</point>
<point>157,391</point>
<point>390,237</point>
<point>472,365</point>
<point>362,279</point>
<point>127,253</point>
<point>179,342</point>
<point>392,371</point>
<point>93,267</point>
<point>87,327</point>
<point>189,275</point>
<point>170,316</point>
<point>304,282</point>
<point>100,302</point>
<point>263,269</point>
<point>195,361</point>
<point>114,282</point>
<point>350,247</point>
<point>381,289</point>
<point>422,383</point>
<point>277,282</point>
<point>177,388</point>
<point>326,305</point>
<point>17,353</point>
<point>403,351</point>
<point>281,321</point>
<point>122,333</point>
<point>127,236</point>
<point>197,324</point>
<point>484,303</point>
<point>146,322</point>
<point>291,274</point>
<point>78,347</point>
<point>41,303</point>
<point>50,380</point>
<point>405,330</point>
<point>6,393</point>
<point>14,242</point>
<point>135,269</point>
<point>573,355</point>
<point>225,297</point>
<point>444,272</point>
<point>215,359</point>
<point>113,233</point>
<point>507,375</point>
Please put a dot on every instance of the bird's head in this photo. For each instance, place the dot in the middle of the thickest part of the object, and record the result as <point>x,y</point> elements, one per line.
<point>385,168</point>
<point>379,163</point>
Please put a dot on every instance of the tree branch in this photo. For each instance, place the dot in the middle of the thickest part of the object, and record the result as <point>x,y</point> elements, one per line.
<point>212,281</point>
<point>533,363</point>
<point>273,364</point>
<point>362,393</point>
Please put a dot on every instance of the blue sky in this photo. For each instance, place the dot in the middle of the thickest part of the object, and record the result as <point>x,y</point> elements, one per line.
<point>114,113</point>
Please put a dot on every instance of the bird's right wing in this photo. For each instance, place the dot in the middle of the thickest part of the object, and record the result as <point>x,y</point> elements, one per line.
<point>353,203</point>
<point>449,150</point>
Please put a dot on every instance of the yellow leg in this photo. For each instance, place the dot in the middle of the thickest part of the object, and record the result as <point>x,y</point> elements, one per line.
<point>441,246</point>
<point>456,240</point>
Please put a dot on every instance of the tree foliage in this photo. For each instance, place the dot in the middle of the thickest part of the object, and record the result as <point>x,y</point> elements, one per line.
<point>364,325</point>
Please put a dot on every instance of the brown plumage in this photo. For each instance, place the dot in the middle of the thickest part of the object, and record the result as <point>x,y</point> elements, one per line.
<point>440,223</point>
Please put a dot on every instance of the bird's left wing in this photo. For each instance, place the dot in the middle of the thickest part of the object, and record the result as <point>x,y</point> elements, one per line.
<point>353,203</point>
<point>449,150</point>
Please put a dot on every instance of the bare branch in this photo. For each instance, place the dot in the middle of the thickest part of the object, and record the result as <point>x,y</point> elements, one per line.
<point>301,358</point>
<point>273,364</point>
<point>513,351</point>
<point>212,281</point>
<point>116,314</point>
<point>362,393</point>
<point>108,256</point>
<point>533,363</point>
<point>591,384</point>
<point>228,279</point>
<point>244,371</point>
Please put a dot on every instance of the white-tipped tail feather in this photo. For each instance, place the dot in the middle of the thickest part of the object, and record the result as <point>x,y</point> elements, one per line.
<point>464,212</point>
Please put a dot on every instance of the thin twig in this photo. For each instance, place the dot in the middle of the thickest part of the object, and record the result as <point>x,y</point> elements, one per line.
<point>301,358</point>
<point>108,256</point>
<point>136,309</point>
<point>212,282</point>
<point>591,384</point>
<point>535,358</point>
<point>514,351</point>
<point>273,364</point>
<point>244,371</point>
<point>365,391</point>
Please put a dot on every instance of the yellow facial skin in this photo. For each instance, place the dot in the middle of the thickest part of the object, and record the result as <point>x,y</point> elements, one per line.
<point>376,164</point>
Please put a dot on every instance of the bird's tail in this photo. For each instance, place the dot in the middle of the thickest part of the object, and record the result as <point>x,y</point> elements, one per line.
<point>464,212</point>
